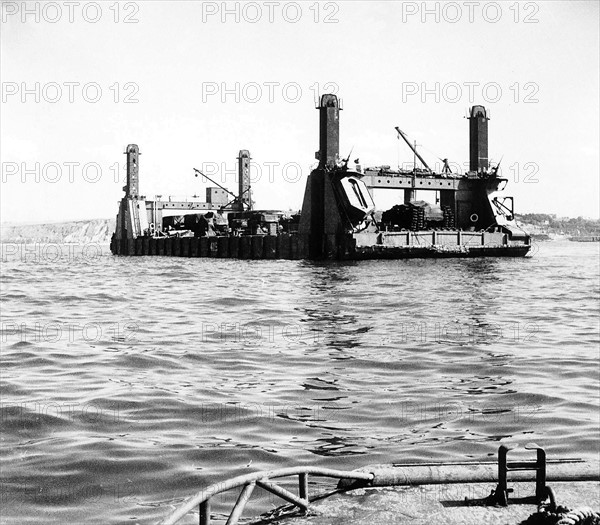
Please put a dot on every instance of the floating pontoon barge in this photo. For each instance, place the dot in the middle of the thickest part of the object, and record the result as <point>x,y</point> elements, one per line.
<point>338,218</point>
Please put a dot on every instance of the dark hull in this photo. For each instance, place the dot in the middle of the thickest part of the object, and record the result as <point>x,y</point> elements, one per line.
<point>296,247</point>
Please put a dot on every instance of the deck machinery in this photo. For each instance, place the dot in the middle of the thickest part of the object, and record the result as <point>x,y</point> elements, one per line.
<point>339,219</point>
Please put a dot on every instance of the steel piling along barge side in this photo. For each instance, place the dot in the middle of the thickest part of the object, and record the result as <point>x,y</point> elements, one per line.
<point>338,218</point>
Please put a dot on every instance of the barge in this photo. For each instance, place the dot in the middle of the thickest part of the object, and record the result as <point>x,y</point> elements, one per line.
<point>470,216</point>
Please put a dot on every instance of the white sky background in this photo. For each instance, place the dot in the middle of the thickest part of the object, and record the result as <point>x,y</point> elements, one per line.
<point>375,53</point>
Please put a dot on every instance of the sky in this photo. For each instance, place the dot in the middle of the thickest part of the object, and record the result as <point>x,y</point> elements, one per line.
<point>192,83</point>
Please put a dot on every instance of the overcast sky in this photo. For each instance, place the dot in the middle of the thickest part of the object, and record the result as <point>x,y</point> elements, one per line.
<point>192,83</point>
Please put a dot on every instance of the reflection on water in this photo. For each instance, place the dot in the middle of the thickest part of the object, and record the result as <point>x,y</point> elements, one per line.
<point>129,384</point>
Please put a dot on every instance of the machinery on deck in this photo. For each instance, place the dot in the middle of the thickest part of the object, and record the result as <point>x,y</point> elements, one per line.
<point>222,213</point>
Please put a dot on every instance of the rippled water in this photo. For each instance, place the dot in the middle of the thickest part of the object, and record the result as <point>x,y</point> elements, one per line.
<point>130,383</point>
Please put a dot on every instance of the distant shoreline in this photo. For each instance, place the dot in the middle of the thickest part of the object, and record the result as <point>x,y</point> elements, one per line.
<point>73,232</point>
<point>542,227</point>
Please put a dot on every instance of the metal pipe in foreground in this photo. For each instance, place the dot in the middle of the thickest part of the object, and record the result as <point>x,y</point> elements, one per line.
<point>476,473</point>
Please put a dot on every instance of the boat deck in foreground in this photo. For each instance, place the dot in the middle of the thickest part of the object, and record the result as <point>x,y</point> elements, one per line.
<point>456,504</point>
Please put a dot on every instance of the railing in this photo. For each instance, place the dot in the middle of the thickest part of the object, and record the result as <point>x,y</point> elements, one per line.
<point>261,479</point>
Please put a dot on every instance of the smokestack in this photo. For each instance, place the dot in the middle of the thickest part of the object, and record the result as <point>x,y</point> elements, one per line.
<point>329,139</point>
<point>478,135</point>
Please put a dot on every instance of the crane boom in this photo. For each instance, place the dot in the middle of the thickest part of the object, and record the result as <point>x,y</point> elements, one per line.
<point>403,135</point>
<point>214,182</point>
